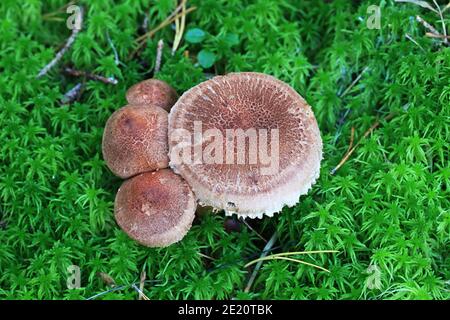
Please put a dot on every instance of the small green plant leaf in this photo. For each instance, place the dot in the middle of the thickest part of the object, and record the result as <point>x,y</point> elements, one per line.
<point>195,35</point>
<point>206,58</point>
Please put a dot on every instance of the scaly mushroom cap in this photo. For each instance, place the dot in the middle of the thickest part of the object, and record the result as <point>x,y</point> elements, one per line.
<point>155,208</point>
<point>247,101</point>
<point>135,140</point>
<point>152,92</point>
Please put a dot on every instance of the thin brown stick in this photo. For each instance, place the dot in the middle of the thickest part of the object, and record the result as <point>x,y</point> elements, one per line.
<point>251,228</point>
<point>141,285</point>
<point>427,25</point>
<point>180,25</point>
<point>49,15</point>
<point>141,40</point>
<point>352,136</point>
<point>177,30</point>
<point>414,41</point>
<point>368,131</point>
<point>444,28</point>
<point>55,19</point>
<point>163,24</point>
<point>437,36</point>
<point>144,297</point>
<point>172,15</point>
<point>66,47</point>
<point>73,94</point>
<point>206,256</point>
<point>159,56</point>
<point>88,75</point>
<point>354,82</point>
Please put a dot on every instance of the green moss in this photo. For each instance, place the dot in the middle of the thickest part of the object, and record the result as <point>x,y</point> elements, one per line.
<point>388,206</point>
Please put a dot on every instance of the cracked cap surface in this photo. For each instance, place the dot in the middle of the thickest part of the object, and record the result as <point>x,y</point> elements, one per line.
<point>245,101</point>
<point>155,208</point>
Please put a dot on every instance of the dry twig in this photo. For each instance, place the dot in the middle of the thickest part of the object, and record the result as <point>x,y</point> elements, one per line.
<point>352,136</point>
<point>66,47</point>
<point>159,51</point>
<point>444,28</point>
<point>351,150</point>
<point>427,25</point>
<point>179,27</point>
<point>171,18</point>
<point>73,94</point>
<point>414,41</point>
<point>251,228</point>
<point>51,15</point>
<point>354,82</point>
<point>437,36</point>
<point>141,286</point>
<point>88,75</point>
<point>144,296</point>
<point>107,279</point>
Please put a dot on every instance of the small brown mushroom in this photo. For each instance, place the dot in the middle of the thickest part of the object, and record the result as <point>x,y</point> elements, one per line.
<point>135,140</point>
<point>155,208</point>
<point>152,92</point>
<point>240,179</point>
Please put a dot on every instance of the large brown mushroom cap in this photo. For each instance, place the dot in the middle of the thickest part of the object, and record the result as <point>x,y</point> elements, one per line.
<point>152,92</point>
<point>245,101</point>
<point>155,208</point>
<point>135,140</point>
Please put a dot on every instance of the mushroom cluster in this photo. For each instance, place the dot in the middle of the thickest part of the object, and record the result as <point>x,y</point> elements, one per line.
<point>246,143</point>
<point>154,206</point>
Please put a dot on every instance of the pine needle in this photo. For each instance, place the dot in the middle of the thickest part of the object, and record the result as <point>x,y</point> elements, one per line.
<point>302,252</point>
<point>444,27</point>
<point>179,27</point>
<point>422,4</point>
<point>50,15</point>
<point>446,7</point>
<point>206,256</point>
<point>288,259</point>
<point>368,131</point>
<point>171,18</point>
<point>282,256</point>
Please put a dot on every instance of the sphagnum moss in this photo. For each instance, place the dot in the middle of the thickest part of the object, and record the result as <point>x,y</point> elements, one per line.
<point>385,210</point>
